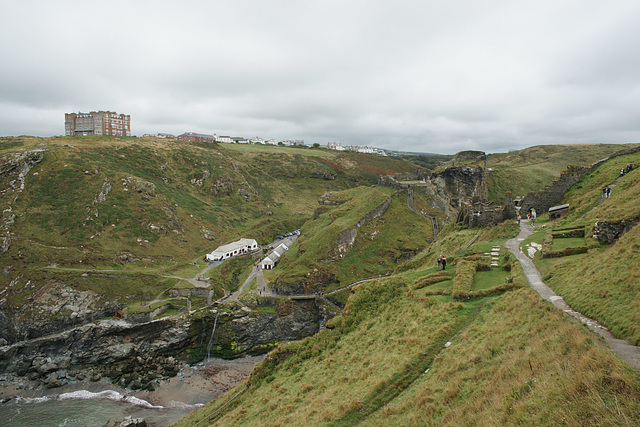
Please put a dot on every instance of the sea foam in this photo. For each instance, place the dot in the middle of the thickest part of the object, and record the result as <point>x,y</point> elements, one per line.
<point>85,395</point>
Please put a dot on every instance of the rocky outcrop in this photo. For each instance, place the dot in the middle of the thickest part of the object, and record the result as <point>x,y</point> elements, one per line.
<point>8,333</point>
<point>454,187</point>
<point>249,332</point>
<point>128,422</point>
<point>145,188</point>
<point>330,199</point>
<point>53,307</point>
<point>104,191</point>
<point>102,343</point>
<point>247,192</point>
<point>13,172</point>
<point>612,231</point>
<point>222,186</point>
<point>462,179</point>
<point>199,178</point>
<point>315,280</point>
<point>207,233</point>
<point>18,165</point>
<point>327,176</point>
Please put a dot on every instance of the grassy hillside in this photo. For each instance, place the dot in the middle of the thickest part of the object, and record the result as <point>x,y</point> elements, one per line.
<point>530,169</point>
<point>399,357</point>
<point>406,352</point>
<point>607,289</point>
<point>154,206</point>
<point>321,259</point>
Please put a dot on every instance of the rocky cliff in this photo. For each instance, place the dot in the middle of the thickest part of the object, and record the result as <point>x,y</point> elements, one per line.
<point>139,354</point>
<point>245,331</point>
<point>105,343</point>
<point>13,171</point>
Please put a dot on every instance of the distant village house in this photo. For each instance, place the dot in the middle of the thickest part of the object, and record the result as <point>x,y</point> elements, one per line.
<point>272,259</point>
<point>196,137</point>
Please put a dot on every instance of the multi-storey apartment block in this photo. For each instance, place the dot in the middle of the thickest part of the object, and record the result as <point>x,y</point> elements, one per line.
<point>97,123</point>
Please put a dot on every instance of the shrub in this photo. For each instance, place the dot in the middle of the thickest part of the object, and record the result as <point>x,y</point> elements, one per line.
<point>463,282</point>
<point>565,252</point>
<point>431,279</point>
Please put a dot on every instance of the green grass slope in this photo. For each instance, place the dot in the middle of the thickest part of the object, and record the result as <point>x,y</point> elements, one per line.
<point>152,206</point>
<point>603,283</point>
<point>530,169</point>
<point>322,259</point>
<point>513,359</point>
<point>404,353</point>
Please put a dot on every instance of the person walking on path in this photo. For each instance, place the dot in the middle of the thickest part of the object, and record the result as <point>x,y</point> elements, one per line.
<point>439,266</point>
<point>624,349</point>
<point>444,263</point>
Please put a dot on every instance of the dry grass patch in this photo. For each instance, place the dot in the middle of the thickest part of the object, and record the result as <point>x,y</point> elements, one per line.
<point>522,362</point>
<point>340,371</point>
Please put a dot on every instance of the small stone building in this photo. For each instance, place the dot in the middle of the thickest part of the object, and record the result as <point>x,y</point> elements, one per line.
<point>558,211</point>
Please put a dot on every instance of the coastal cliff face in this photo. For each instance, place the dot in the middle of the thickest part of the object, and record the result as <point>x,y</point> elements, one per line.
<point>140,354</point>
<point>464,178</point>
<point>55,307</point>
<point>75,352</point>
<point>247,332</point>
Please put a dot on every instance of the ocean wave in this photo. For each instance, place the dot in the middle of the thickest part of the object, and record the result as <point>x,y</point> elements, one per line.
<point>85,395</point>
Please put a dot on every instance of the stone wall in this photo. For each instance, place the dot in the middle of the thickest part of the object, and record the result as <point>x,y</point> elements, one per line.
<point>611,231</point>
<point>553,194</point>
<point>193,293</point>
<point>486,214</point>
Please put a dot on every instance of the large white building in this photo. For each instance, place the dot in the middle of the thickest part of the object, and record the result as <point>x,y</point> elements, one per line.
<point>97,123</point>
<point>242,246</point>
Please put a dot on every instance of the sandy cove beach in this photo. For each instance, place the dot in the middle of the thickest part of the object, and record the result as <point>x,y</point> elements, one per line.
<point>202,383</point>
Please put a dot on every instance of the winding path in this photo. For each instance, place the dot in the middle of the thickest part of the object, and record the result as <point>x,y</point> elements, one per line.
<point>623,349</point>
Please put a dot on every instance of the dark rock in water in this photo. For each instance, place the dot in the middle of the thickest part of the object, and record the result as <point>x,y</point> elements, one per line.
<point>128,422</point>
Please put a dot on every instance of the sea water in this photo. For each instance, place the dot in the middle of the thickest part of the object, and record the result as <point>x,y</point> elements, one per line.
<point>106,402</point>
<point>87,409</point>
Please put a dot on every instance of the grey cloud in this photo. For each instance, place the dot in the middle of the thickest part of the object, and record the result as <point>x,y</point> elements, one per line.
<point>411,75</point>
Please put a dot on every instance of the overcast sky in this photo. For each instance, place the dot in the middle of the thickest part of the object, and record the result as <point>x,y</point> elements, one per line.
<point>427,76</point>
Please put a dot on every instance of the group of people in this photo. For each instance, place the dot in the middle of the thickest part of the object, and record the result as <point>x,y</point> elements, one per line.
<point>442,263</point>
<point>531,215</point>
<point>628,169</point>
<point>606,192</point>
